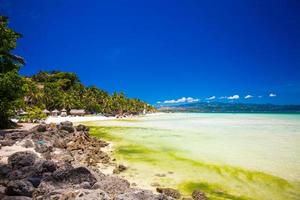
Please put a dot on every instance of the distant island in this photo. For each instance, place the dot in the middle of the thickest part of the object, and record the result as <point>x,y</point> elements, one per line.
<point>219,107</point>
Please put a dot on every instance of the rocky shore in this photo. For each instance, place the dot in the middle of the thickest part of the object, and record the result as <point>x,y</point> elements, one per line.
<point>63,162</point>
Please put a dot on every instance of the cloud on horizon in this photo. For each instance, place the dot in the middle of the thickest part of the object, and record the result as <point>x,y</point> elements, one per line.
<point>181,100</point>
<point>248,96</point>
<point>272,95</point>
<point>211,98</point>
<point>233,97</point>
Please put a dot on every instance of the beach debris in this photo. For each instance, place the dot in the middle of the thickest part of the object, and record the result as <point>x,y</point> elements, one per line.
<point>160,175</point>
<point>169,192</point>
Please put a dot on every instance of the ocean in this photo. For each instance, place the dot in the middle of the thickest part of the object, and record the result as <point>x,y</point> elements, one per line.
<point>228,156</point>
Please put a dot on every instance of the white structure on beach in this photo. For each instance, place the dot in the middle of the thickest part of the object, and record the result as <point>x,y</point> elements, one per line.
<point>47,112</point>
<point>54,113</point>
<point>63,112</point>
<point>77,112</point>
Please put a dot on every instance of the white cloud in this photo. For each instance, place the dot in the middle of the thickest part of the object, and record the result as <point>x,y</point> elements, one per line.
<point>159,102</point>
<point>182,100</point>
<point>233,97</point>
<point>211,98</point>
<point>272,95</point>
<point>191,100</point>
<point>223,97</point>
<point>248,96</point>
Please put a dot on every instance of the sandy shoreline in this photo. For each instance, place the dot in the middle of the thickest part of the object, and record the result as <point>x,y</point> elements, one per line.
<point>60,119</point>
<point>76,119</point>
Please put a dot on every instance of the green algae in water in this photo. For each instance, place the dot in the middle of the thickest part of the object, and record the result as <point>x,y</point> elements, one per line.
<point>146,151</point>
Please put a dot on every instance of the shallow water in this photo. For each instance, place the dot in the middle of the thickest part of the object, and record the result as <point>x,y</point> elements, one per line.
<point>229,156</point>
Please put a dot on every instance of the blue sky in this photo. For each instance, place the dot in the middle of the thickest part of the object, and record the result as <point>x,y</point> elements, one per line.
<point>166,50</point>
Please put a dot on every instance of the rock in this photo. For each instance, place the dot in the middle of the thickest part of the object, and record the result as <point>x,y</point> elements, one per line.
<point>66,123</point>
<point>35,181</point>
<point>81,127</point>
<point>72,176</point>
<point>19,188</point>
<point>7,142</point>
<point>112,185</point>
<point>2,190</point>
<point>141,195</point>
<point>70,129</point>
<point>28,144</point>
<point>198,195</point>
<point>41,128</point>
<point>85,194</point>
<point>71,194</point>
<point>22,159</point>
<point>4,170</point>
<point>60,143</point>
<point>45,166</point>
<point>43,147</point>
<point>85,185</point>
<point>169,192</point>
<point>119,169</point>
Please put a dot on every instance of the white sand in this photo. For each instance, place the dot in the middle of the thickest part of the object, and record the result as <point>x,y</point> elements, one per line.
<point>59,119</point>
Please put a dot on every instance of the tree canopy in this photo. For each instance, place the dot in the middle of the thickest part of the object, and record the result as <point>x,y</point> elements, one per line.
<point>11,83</point>
<point>58,90</point>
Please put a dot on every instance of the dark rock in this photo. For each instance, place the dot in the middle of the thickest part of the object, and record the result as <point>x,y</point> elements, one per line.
<point>112,185</point>
<point>72,176</point>
<point>41,128</point>
<point>119,169</point>
<point>22,159</point>
<point>45,166</point>
<point>81,127</point>
<point>22,173</point>
<point>169,192</point>
<point>35,181</point>
<point>198,195</point>
<point>28,144</point>
<point>70,129</point>
<point>85,185</point>
<point>19,188</point>
<point>66,123</point>
<point>4,170</point>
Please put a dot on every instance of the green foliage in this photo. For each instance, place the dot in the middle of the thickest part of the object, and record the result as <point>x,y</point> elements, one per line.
<point>35,113</point>
<point>57,90</point>
<point>11,84</point>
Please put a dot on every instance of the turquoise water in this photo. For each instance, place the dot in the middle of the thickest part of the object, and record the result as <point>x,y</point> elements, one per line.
<point>249,156</point>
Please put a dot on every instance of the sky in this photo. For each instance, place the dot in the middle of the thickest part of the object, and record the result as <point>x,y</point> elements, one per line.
<point>166,51</point>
